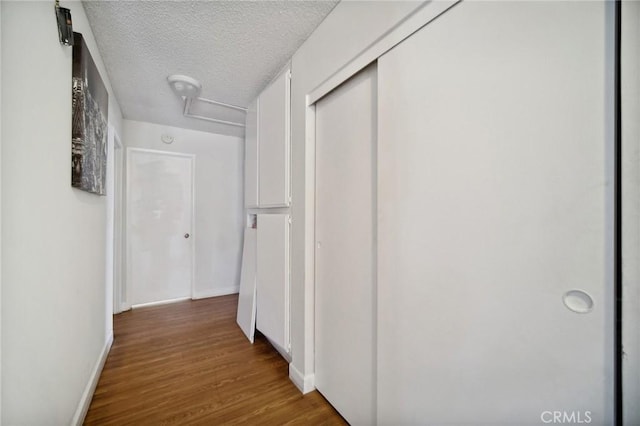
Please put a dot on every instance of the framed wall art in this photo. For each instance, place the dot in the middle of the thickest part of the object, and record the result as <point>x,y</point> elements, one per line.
<point>90,109</point>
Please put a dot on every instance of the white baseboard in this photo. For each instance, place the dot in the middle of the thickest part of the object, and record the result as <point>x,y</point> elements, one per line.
<point>87,395</point>
<point>304,383</point>
<point>160,302</point>
<point>283,353</point>
<point>222,291</point>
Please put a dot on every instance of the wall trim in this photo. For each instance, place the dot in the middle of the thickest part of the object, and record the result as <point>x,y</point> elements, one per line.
<point>87,395</point>
<point>308,362</point>
<point>222,291</point>
<point>630,149</point>
<point>118,223</point>
<point>160,302</point>
<point>0,230</point>
<point>304,383</point>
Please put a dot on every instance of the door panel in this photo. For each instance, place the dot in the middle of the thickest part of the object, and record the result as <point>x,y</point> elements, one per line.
<point>159,214</point>
<point>272,282</point>
<point>273,143</point>
<point>495,197</point>
<point>345,235</point>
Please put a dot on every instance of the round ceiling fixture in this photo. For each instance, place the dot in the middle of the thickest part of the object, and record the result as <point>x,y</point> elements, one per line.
<point>184,86</point>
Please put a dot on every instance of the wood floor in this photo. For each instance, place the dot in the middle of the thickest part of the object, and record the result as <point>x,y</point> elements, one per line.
<point>189,363</point>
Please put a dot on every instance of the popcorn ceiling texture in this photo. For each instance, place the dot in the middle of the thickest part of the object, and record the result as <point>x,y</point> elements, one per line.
<point>234,48</point>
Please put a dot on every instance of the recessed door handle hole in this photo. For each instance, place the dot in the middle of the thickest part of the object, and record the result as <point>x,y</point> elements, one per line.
<point>578,301</point>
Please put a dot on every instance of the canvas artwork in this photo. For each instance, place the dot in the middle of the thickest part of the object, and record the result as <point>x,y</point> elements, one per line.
<point>90,105</point>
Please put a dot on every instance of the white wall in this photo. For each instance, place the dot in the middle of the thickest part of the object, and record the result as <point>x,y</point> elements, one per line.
<point>53,240</point>
<point>219,210</point>
<point>631,209</point>
<point>347,30</point>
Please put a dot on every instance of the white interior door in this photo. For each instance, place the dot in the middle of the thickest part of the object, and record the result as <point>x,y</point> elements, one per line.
<point>345,234</point>
<point>495,200</point>
<point>159,225</point>
<point>272,278</point>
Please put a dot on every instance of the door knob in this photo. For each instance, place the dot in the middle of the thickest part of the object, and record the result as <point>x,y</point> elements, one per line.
<point>186,235</point>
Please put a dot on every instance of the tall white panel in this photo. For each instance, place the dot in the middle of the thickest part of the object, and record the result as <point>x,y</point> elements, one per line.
<point>251,156</point>
<point>272,272</point>
<point>495,195</point>
<point>273,146</point>
<point>345,235</point>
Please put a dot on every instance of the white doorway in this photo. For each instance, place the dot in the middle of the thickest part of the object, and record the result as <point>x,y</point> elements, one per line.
<point>159,226</point>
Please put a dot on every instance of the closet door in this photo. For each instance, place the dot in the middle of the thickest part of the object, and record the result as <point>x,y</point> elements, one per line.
<point>345,234</point>
<point>495,217</point>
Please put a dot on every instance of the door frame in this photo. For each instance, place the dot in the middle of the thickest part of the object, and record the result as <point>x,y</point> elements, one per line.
<point>117,188</point>
<point>126,283</point>
<point>118,226</point>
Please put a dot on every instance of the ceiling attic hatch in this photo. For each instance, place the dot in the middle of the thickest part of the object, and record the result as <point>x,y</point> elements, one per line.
<point>189,89</point>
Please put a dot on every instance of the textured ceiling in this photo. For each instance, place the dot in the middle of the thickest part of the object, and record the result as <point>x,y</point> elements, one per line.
<point>234,48</point>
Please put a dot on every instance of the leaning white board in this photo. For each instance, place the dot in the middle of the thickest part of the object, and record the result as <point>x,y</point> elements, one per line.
<point>246,316</point>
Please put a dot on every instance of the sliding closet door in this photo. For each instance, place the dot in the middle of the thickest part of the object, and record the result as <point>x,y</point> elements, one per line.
<point>345,207</point>
<point>495,217</point>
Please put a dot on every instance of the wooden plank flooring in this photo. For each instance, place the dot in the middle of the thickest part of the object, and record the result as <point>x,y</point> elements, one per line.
<point>189,363</point>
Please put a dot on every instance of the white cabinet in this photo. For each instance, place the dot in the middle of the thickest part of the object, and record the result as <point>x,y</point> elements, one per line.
<point>273,143</point>
<point>267,168</point>
<point>251,156</point>
<point>272,274</point>
<point>267,147</point>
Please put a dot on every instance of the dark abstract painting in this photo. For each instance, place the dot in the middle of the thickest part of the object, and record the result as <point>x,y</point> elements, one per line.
<point>90,105</point>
